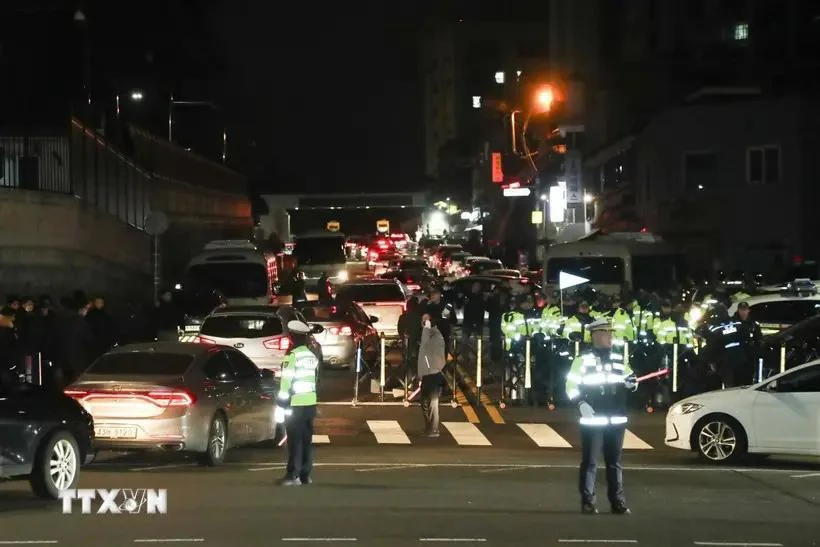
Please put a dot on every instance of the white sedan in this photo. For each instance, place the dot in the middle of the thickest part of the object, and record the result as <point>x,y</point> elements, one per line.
<point>780,415</point>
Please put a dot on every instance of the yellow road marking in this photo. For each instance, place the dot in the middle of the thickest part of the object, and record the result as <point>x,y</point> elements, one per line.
<point>462,401</point>
<point>491,409</point>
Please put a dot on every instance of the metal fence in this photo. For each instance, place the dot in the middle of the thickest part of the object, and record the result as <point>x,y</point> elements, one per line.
<point>78,163</point>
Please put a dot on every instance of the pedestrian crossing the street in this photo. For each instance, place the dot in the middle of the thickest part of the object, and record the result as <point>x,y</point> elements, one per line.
<point>467,434</point>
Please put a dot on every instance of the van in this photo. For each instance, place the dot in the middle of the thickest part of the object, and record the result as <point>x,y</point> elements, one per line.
<point>321,252</point>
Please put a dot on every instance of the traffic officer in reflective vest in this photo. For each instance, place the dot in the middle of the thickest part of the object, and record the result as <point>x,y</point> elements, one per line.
<point>296,404</point>
<point>599,380</point>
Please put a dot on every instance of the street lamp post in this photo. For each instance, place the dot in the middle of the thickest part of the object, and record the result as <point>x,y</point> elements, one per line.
<point>173,102</point>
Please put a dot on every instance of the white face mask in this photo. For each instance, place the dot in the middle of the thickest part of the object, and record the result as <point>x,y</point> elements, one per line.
<point>427,324</point>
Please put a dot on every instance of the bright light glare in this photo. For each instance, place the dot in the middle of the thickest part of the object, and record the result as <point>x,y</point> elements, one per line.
<point>438,223</point>
<point>588,198</point>
<point>342,276</point>
<point>543,197</point>
<point>137,95</point>
<point>544,98</point>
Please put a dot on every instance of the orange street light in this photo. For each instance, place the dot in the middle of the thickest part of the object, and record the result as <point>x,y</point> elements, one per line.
<point>544,97</point>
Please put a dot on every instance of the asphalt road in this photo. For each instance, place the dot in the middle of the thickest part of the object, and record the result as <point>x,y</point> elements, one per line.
<point>513,498</point>
<point>373,487</point>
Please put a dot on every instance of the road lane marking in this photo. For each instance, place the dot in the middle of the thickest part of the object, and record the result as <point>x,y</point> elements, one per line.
<point>320,539</point>
<point>544,436</point>
<point>321,439</point>
<point>633,442</point>
<point>272,466</point>
<point>30,542</point>
<point>491,409</point>
<point>805,476</point>
<point>455,540</point>
<point>588,541</point>
<point>502,469</point>
<point>166,466</point>
<point>736,544</point>
<point>390,468</point>
<point>462,401</point>
<point>466,434</point>
<point>170,540</point>
<point>388,432</point>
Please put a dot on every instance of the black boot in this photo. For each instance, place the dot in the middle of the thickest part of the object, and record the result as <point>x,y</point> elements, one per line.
<point>589,509</point>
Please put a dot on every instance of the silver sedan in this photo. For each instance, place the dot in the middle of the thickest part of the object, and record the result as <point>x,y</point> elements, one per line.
<point>173,396</point>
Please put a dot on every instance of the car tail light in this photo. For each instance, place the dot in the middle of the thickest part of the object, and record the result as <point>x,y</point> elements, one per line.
<point>203,340</point>
<point>280,343</point>
<point>171,398</point>
<point>75,393</point>
<point>341,331</point>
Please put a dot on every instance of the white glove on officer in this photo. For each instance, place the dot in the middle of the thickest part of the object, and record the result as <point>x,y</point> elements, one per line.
<point>279,415</point>
<point>631,383</point>
<point>586,410</point>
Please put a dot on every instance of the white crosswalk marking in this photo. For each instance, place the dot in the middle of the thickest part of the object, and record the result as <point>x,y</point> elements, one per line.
<point>321,439</point>
<point>544,436</point>
<point>388,432</point>
<point>466,434</point>
<point>633,442</point>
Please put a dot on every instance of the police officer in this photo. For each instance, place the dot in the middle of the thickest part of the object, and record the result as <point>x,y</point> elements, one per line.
<point>754,336</point>
<point>726,347</point>
<point>296,404</point>
<point>599,381</point>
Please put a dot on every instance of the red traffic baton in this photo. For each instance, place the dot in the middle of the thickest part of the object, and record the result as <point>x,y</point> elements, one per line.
<point>651,375</point>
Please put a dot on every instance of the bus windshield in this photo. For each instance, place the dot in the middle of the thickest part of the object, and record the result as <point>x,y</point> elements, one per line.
<point>319,250</point>
<point>599,270</point>
<point>232,279</point>
<point>652,273</point>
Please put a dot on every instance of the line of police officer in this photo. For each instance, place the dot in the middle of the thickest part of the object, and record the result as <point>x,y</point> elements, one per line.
<point>649,334</point>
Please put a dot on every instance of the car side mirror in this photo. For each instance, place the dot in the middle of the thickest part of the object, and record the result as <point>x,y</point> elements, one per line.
<point>317,329</point>
<point>374,319</point>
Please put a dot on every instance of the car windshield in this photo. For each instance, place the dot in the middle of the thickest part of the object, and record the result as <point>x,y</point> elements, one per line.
<point>318,314</point>
<point>148,363</point>
<point>232,279</point>
<point>242,326</point>
<point>319,250</point>
<point>371,293</point>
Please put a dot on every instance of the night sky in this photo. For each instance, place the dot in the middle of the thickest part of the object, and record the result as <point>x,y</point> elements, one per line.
<point>320,96</point>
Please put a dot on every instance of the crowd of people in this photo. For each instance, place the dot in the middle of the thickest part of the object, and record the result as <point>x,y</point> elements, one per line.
<point>63,338</point>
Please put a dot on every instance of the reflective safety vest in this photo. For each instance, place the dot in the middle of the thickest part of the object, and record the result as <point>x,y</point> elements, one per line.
<point>298,385</point>
<point>666,331</point>
<point>600,384</point>
<point>572,326</point>
<point>643,320</point>
<point>551,320</point>
<point>685,334</point>
<point>516,326</point>
<point>624,329</point>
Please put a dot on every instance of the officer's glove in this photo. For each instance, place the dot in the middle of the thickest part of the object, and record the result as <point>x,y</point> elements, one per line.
<point>631,383</point>
<point>586,410</point>
<point>279,415</point>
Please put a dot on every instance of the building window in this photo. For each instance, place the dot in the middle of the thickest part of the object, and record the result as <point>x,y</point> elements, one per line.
<point>499,77</point>
<point>699,171</point>
<point>476,101</point>
<point>741,31</point>
<point>763,165</point>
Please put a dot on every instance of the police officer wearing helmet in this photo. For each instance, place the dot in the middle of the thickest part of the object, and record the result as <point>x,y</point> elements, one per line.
<point>599,381</point>
<point>296,404</point>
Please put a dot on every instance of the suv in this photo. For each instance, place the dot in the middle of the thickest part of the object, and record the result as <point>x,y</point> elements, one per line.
<point>259,332</point>
<point>382,299</point>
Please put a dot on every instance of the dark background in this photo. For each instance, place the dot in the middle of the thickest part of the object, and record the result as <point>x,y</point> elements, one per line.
<point>316,97</point>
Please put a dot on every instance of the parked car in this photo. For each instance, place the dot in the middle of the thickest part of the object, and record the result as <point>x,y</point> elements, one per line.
<point>173,396</point>
<point>44,436</point>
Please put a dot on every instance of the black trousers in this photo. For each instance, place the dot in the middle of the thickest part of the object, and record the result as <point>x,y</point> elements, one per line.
<point>299,427</point>
<point>609,440</point>
<point>431,385</point>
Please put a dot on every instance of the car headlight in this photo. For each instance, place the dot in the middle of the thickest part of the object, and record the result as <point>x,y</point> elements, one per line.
<point>695,315</point>
<point>685,408</point>
<point>342,275</point>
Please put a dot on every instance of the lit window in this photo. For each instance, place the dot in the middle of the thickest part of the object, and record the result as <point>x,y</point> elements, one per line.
<point>742,31</point>
<point>476,101</point>
<point>499,77</point>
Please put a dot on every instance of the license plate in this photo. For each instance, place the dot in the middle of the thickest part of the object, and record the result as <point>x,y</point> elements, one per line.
<point>109,432</point>
<point>191,328</point>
